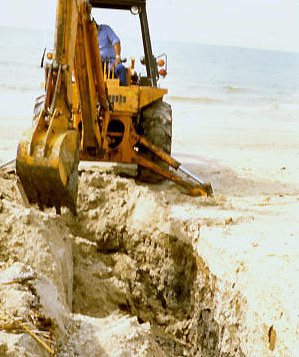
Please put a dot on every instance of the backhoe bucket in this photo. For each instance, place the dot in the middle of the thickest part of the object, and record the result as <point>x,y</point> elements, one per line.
<point>48,168</point>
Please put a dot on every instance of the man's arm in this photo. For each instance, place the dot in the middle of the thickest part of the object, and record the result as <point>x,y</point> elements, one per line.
<point>117,49</point>
<point>115,41</point>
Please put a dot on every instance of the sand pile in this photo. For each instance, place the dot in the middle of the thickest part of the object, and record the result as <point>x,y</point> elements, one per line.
<point>147,271</point>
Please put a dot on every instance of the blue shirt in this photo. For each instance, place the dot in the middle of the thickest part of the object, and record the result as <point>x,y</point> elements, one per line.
<point>107,39</point>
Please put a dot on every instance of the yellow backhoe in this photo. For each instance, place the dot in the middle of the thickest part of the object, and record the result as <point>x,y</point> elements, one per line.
<point>86,115</point>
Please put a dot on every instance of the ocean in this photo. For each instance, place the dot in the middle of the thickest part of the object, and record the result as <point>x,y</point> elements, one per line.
<point>208,86</point>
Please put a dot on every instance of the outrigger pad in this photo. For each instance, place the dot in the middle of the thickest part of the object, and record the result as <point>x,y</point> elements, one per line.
<point>204,189</point>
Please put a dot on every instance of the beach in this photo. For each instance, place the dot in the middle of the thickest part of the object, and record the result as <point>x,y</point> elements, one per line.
<point>145,270</point>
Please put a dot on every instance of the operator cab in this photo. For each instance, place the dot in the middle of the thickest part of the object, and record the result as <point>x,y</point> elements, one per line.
<point>155,66</point>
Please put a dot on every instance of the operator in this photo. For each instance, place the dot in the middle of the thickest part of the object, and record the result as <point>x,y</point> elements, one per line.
<point>110,50</point>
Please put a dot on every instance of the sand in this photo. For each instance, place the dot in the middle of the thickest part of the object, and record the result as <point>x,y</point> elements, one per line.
<point>145,270</point>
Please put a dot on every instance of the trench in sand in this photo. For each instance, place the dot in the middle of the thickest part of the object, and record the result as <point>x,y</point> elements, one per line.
<point>127,266</point>
<point>169,287</point>
<point>151,274</point>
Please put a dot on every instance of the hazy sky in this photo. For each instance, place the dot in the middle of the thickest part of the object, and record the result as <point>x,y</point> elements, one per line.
<point>269,24</point>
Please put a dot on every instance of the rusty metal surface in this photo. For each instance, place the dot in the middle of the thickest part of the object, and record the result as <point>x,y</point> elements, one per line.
<point>52,179</point>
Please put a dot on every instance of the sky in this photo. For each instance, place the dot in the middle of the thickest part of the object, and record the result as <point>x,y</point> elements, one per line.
<point>266,24</point>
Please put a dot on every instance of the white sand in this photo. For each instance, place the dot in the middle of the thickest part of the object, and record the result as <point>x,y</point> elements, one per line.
<point>245,295</point>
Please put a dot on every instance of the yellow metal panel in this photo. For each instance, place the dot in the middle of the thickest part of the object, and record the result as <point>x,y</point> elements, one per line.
<point>149,95</point>
<point>132,99</point>
<point>124,99</point>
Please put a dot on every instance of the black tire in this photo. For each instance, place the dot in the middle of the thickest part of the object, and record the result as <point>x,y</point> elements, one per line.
<point>156,127</point>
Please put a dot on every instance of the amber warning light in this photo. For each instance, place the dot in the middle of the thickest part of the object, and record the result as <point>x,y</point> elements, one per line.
<point>162,63</point>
